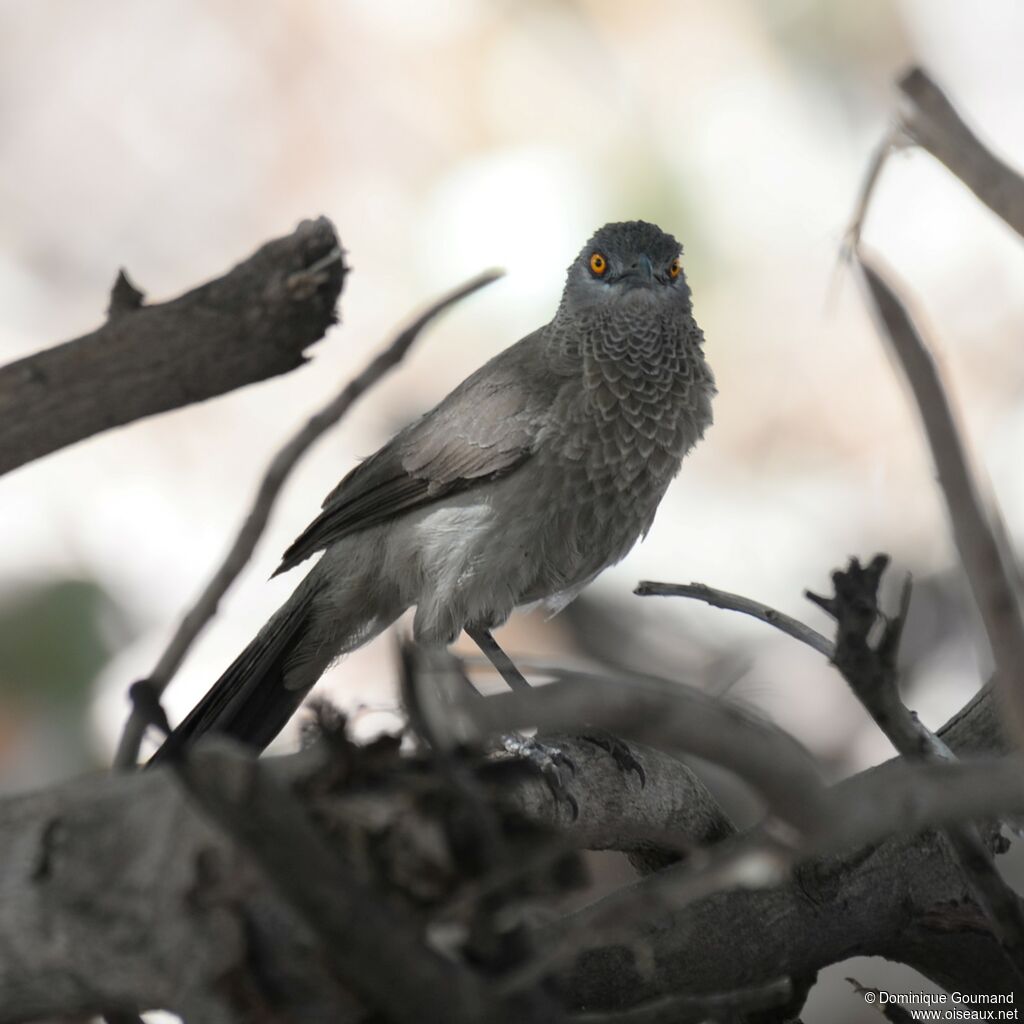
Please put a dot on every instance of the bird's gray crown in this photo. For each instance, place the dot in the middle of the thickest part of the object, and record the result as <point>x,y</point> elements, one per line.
<point>628,238</point>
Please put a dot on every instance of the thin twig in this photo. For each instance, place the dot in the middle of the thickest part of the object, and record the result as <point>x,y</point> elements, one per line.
<point>976,522</point>
<point>893,140</point>
<point>934,124</point>
<point>273,480</point>
<point>735,602</point>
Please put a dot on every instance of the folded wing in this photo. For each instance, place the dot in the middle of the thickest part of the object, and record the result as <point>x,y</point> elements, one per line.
<point>486,428</point>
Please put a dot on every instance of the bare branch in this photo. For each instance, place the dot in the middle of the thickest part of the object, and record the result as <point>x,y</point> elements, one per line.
<point>655,820</point>
<point>735,602</point>
<point>976,522</point>
<point>929,120</point>
<point>673,717</point>
<point>893,140</point>
<point>870,669</point>
<point>673,811</point>
<point>934,124</point>
<point>270,486</point>
<point>863,811</point>
<point>908,797</point>
<point>253,323</point>
<point>150,903</point>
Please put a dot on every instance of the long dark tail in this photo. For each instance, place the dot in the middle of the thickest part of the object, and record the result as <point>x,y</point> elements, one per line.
<point>250,700</point>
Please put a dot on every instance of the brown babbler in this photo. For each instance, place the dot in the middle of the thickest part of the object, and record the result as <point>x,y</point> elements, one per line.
<point>536,473</point>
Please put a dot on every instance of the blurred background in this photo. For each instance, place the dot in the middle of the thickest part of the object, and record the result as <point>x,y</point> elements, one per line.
<point>174,138</point>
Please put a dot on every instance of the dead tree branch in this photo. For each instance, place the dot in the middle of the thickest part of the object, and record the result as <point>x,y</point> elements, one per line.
<point>122,891</point>
<point>737,603</point>
<point>933,123</point>
<point>870,669</point>
<point>893,140</point>
<point>673,717</point>
<point>253,323</point>
<point>976,524</point>
<point>239,794</point>
<point>863,811</point>
<point>928,119</point>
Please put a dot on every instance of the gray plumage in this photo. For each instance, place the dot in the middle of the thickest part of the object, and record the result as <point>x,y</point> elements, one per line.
<point>540,470</point>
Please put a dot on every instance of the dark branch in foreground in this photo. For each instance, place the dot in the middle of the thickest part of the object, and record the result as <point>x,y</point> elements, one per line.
<point>253,323</point>
<point>675,718</point>
<point>156,899</point>
<point>240,794</point>
<point>270,486</point>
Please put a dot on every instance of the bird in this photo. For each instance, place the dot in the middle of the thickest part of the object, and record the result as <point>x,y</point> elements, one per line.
<point>540,470</point>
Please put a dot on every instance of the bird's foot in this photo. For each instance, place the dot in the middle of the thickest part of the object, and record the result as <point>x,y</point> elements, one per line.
<point>555,767</point>
<point>619,751</point>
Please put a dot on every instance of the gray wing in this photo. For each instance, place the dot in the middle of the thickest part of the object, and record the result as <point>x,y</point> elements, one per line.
<point>486,428</point>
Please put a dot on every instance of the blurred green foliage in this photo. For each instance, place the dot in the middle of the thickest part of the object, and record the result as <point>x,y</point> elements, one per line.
<point>54,639</point>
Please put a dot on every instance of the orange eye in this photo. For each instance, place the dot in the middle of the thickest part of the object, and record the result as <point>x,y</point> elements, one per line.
<point>598,264</point>
<point>675,268</point>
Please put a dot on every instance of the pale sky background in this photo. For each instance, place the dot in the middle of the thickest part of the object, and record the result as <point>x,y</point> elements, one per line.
<point>174,138</point>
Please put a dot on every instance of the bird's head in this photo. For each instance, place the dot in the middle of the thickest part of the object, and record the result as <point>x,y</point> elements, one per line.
<point>626,263</point>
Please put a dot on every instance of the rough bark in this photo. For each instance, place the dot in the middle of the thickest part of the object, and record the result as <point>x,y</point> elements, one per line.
<point>253,323</point>
<point>904,899</point>
<point>122,892</point>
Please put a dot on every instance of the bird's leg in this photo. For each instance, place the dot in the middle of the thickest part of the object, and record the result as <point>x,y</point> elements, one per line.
<point>491,650</point>
<point>553,765</point>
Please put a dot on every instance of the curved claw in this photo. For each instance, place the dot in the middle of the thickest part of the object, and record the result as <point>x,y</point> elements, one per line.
<point>619,751</point>
<point>551,762</point>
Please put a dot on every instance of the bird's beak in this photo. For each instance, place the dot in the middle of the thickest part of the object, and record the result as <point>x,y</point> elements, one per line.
<point>640,274</point>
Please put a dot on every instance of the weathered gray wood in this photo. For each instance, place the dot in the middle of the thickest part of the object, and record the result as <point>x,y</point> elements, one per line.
<point>253,323</point>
